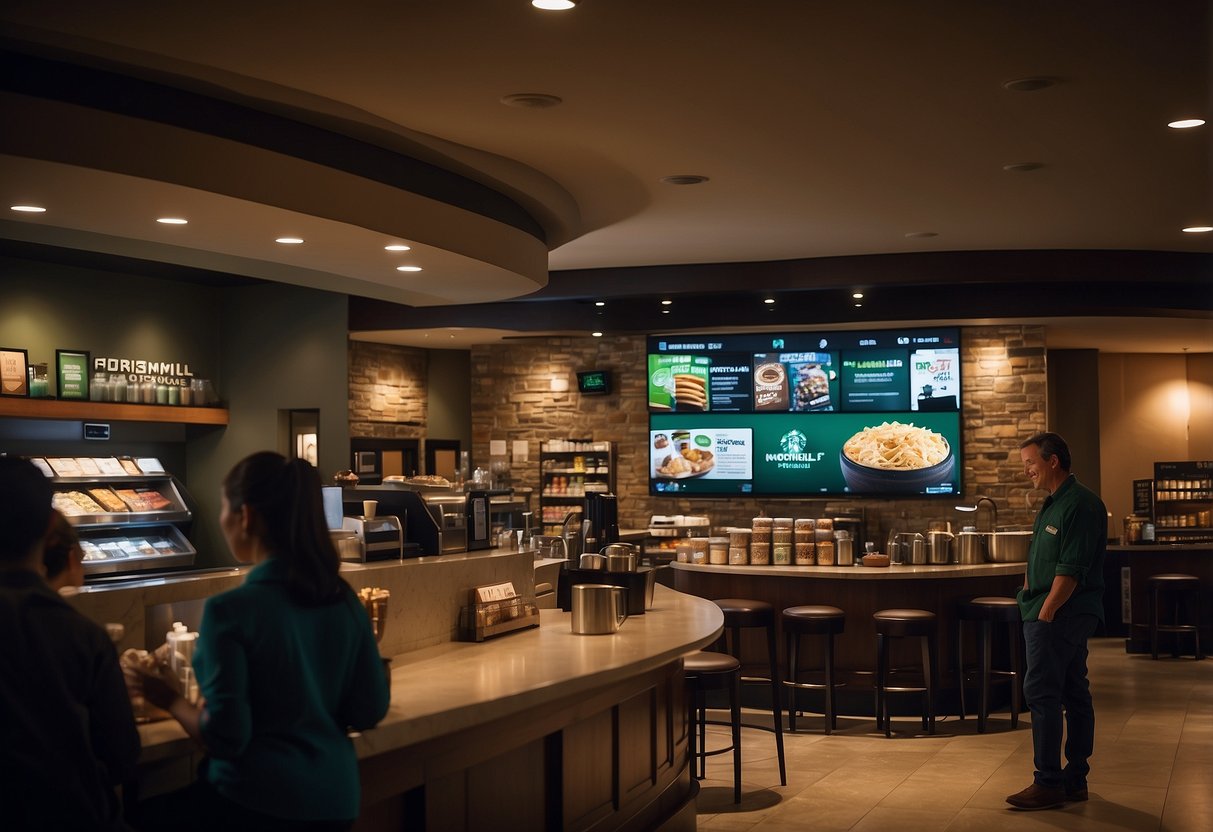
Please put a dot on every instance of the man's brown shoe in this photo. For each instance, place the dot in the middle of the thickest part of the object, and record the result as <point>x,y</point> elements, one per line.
<point>1037,796</point>
<point>1076,795</point>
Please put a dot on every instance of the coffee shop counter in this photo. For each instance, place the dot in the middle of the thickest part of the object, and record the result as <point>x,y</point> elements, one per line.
<point>859,591</point>
<point>1126,572</point>
<point>536,729</point>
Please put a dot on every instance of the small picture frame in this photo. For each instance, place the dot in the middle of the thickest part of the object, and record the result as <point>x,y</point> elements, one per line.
<point>71,374</point>
<point>14,372</point>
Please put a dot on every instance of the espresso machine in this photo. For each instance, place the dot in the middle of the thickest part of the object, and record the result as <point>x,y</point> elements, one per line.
<point>601,512</point>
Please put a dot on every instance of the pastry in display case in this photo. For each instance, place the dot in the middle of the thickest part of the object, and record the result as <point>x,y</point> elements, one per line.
<point>131,514</point>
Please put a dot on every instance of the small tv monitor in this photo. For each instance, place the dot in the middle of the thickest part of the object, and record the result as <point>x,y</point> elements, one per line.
<point>594,382</point>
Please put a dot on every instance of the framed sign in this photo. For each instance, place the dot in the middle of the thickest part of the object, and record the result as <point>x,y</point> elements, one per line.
<point>71,371</point>
<point>14,372</point>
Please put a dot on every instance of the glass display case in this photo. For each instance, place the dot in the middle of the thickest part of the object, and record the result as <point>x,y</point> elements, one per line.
<point>131,515</point>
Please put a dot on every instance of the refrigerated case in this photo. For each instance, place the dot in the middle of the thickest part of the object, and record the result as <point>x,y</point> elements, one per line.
<point>131,514</point>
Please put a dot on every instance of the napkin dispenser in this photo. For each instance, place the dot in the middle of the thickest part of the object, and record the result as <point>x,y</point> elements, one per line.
<point>382,537</point>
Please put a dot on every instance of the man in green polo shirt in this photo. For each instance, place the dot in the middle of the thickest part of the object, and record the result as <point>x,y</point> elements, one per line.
<point>1061,604</point>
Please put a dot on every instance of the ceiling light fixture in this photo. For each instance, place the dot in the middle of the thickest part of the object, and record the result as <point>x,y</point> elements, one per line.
<point>857,295</point>
<point>408,268</point>
<point>1039,82</point>
<point>665,311</point>
<point>600,303</point>
<point>666,302</point>
<point>554,5</point>
<point>28,209</point>
<point>596,334</point>
<point>172,221</point>
<point>397,247</point>
<point>1198,229</point>
<point>289,241</point>
<point>1185,123</point>
<point>858,305</point>
<point>684,179</point>
<point>768,300</point>
<point>531,100</point>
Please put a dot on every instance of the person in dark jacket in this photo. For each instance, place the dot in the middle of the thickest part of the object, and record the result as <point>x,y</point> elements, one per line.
<point>67,734</point>
<point>285,664</point>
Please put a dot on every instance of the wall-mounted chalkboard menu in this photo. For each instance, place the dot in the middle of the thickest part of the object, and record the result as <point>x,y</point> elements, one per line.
<point>1143,497</point>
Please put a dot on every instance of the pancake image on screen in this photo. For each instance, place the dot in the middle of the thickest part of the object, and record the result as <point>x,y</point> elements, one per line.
<point>896,458</point>
<point>690,392</point>
<point>897,447</point>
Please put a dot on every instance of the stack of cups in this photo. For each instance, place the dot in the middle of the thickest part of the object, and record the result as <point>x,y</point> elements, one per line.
<point>804,541</point>
<point>760,541</point>
<point>781,541</point>
<point>739,546</point>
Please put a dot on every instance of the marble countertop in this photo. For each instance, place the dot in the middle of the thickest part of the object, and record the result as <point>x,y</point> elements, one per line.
<point>451,687</point>
<point>862,573</point>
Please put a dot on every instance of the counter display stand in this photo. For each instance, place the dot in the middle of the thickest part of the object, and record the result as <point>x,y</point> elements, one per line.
<point>1183,502</point>
<point>129,513</point>
<point>568,468</point>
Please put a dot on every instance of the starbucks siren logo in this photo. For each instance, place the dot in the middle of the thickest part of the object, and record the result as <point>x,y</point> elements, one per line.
<point>793,442</point>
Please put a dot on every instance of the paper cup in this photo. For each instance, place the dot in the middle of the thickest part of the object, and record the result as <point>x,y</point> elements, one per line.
<point>368,508</point>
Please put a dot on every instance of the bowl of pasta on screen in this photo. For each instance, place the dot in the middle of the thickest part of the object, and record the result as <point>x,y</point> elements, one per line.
<point>896,458</point>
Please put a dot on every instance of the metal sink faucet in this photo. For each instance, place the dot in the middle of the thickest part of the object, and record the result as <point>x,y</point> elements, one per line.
<point>993,511</point>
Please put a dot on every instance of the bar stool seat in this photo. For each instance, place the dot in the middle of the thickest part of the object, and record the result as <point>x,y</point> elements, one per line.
<point>906,623</point>
<point>1176,587</point>
<point>988,611</point>
<point>811,620</point>
<point>742,613</point>
<point>704,671</point>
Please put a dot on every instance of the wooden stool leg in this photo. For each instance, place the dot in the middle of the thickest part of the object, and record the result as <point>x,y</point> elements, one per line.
<point>1152,621</point>
<point>960,664</point>
<point>831,716</point>
<point>735,718</point>
<point>882,677</point>
<point>987,644</point>
<point>932,680</point>
<point>793,643</point>
<point>1013,632</point>
<point>692,728</point>
<point>926,682</point>
<point>776,711</point>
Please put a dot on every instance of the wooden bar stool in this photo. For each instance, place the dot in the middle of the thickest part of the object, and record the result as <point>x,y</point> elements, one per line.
<point>987,612</point>
<point>1177,588</point>
<point>712,671</point>
<point>742,613</point>
<point>811,621</point>
<point>902,623</point>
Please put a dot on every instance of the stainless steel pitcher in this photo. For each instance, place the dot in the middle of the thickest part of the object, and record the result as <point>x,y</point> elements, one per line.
<point>598,609</point>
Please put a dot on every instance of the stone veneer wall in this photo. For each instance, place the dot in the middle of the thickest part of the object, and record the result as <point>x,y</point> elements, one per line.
<point>387,391</point>
<point>1004,401</point>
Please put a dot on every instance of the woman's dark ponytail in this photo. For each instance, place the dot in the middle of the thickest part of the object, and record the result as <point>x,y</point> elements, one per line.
<point>285,497</point>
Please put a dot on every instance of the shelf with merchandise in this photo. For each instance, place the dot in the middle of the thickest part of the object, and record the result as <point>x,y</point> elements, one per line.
<point>26,408</point>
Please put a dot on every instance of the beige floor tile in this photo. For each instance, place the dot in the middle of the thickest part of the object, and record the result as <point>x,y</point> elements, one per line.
<point>1188,807</point>
<point>813,814</point>
<point>883,819</point>
<point>944,794</point>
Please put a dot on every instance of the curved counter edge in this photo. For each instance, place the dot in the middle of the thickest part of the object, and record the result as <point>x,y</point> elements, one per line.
<point>861,573</point>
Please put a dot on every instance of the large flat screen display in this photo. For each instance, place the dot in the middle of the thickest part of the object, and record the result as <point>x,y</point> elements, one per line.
<point>874,413</point>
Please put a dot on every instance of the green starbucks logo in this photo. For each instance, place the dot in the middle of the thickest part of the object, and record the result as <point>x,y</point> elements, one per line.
<point>793,442</point>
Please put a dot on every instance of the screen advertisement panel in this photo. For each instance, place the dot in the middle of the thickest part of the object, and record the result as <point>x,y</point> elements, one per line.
<point>857,413</point>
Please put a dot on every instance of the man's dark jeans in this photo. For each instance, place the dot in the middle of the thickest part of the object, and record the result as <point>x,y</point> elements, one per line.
<point>1056,679</point>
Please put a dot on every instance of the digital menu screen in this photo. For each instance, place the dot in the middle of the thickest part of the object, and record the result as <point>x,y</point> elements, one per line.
<point>805,414</point>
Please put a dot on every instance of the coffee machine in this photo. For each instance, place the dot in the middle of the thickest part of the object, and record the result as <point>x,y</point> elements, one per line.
<point>601,511</point>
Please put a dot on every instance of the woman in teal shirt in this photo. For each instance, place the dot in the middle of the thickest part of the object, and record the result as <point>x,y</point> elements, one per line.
<point>285,664</point>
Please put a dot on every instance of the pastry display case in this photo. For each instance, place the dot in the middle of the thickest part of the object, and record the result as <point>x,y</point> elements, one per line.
<point>131,514</point>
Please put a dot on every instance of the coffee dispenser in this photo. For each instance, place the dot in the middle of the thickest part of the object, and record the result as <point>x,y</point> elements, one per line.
<point>602,512</point>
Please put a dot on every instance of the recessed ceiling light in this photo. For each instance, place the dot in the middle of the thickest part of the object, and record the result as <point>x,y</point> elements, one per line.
<point>1023,167</point>
<point>600,303</point>
<point>684,179</point>
<point>665,311</point>
<point>858,305</point>
<point>768,300</point>
<point>289,241</point>
<point>921,235</point>
<point>172,221</point>
<point>408,268</point>
<point>596,334</point>
<point>554,5</point>
<point>857,295</point>
<point>28,209</point>
<point>1198,229</point>
<point>1185,123</point>
<point>531,100</point>
<point>666,302</point>
<point>397,247</point>
<point>1039,82</point>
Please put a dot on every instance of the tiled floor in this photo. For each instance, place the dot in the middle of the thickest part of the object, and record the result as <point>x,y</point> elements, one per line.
<point>1152,768</point>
